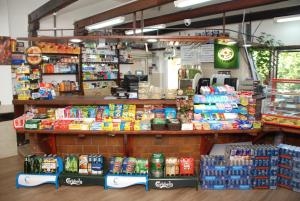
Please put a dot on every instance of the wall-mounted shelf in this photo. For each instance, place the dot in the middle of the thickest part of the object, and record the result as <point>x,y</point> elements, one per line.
<point>97,80</point>
<point>60,54</point>
<point>99,62</point>
<point>60,73</point>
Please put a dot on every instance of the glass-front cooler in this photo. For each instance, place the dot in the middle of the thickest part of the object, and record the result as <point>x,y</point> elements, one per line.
<point>282,104</point>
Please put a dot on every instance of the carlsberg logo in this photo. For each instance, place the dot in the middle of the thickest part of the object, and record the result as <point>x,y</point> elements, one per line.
<point>73,181</point>
<point>160,184</point>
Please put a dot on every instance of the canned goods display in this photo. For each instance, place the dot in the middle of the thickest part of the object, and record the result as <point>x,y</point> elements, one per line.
<point>157,165</point>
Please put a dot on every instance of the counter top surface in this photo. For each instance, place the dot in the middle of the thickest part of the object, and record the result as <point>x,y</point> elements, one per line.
<point>86,100</point>
<point>152,132</point>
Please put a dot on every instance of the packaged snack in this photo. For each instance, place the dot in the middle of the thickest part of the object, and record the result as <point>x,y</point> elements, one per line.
<point>170,113</point>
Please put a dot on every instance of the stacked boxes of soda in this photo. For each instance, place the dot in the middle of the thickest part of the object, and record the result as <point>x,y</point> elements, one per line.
<point>171,166</point>
<point>289,167</point>
<point>88,164</point>
<point>34,164</point>
<point>128,165</point>
<point>265,166</point>
<point>239,173</point>
<point>213,172</point>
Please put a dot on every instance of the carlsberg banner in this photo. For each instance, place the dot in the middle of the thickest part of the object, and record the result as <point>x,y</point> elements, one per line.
<point>226,56</point>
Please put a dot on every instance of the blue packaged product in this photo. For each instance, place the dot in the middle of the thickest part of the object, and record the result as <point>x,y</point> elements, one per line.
<point>170,113</point>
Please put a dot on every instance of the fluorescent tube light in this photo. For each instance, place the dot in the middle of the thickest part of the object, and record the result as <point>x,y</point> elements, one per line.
<point>146,29</point>
<point>152,40</point>
<point>75,40</point>
<point>106,23</point>
<point>187,3</point>
<point>289,18</point>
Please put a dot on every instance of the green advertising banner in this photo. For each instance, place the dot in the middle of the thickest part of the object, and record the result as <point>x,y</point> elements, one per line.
<point>226,56</point>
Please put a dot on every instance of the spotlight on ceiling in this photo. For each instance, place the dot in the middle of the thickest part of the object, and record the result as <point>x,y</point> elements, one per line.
<point>187,3</point>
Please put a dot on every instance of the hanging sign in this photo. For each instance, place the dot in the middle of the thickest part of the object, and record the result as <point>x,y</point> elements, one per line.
<point>226,56</point>
<point>188,55</point>
<point>206,53</point>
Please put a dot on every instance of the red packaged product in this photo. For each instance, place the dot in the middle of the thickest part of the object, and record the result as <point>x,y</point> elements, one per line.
<point>187,166</point>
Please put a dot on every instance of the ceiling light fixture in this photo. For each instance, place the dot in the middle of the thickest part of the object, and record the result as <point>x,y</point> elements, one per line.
<point>152,40</point>
<point>289,18</point>
<point>106,23</point>
<point>75,40</point>
<point>187,3</point>
<point>146,29</point>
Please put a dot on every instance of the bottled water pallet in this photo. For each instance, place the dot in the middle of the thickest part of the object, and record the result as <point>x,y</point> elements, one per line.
<point>75,179</point>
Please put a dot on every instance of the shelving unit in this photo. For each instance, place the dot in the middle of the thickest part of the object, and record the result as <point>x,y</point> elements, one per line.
<point>57,61</point>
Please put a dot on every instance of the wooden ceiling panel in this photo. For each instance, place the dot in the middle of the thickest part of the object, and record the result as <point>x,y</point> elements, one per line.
<point>203,11</point>
<point>120,11</point>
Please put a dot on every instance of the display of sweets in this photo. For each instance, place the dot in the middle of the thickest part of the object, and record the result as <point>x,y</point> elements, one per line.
<point>34,164</point>
<point>222,109</point>
<point>226,89</point>
<point>157,165</point>
<point>172,166</point>
<point>91,164</point>
<point>289,167</point>
<point>71,164</point>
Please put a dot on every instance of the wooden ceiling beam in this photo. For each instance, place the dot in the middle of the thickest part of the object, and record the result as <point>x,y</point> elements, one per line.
<point>261,15</point>
<point>48,8</point>
<point>203,11</point>
<point>120,11</point>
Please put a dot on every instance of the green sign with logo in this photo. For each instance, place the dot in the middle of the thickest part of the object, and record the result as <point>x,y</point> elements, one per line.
<point>226,56</point>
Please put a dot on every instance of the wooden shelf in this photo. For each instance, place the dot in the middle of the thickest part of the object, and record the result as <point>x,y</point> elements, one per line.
<point>59,73</point>
<point>141,133</point>
<point>278,128</point>
<point>59,54</point>
<point>99,62</point>
<point>18,52</point>
<point>98,80</point>
<point>75,91</point>
<point>86,100</point>
<point>125,63</point>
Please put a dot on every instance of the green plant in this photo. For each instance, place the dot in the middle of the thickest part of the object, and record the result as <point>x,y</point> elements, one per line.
<point>262,55</point>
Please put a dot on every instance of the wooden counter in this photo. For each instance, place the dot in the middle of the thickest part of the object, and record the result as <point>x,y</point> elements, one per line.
<point>152,132</point>
<point>85,100</point>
